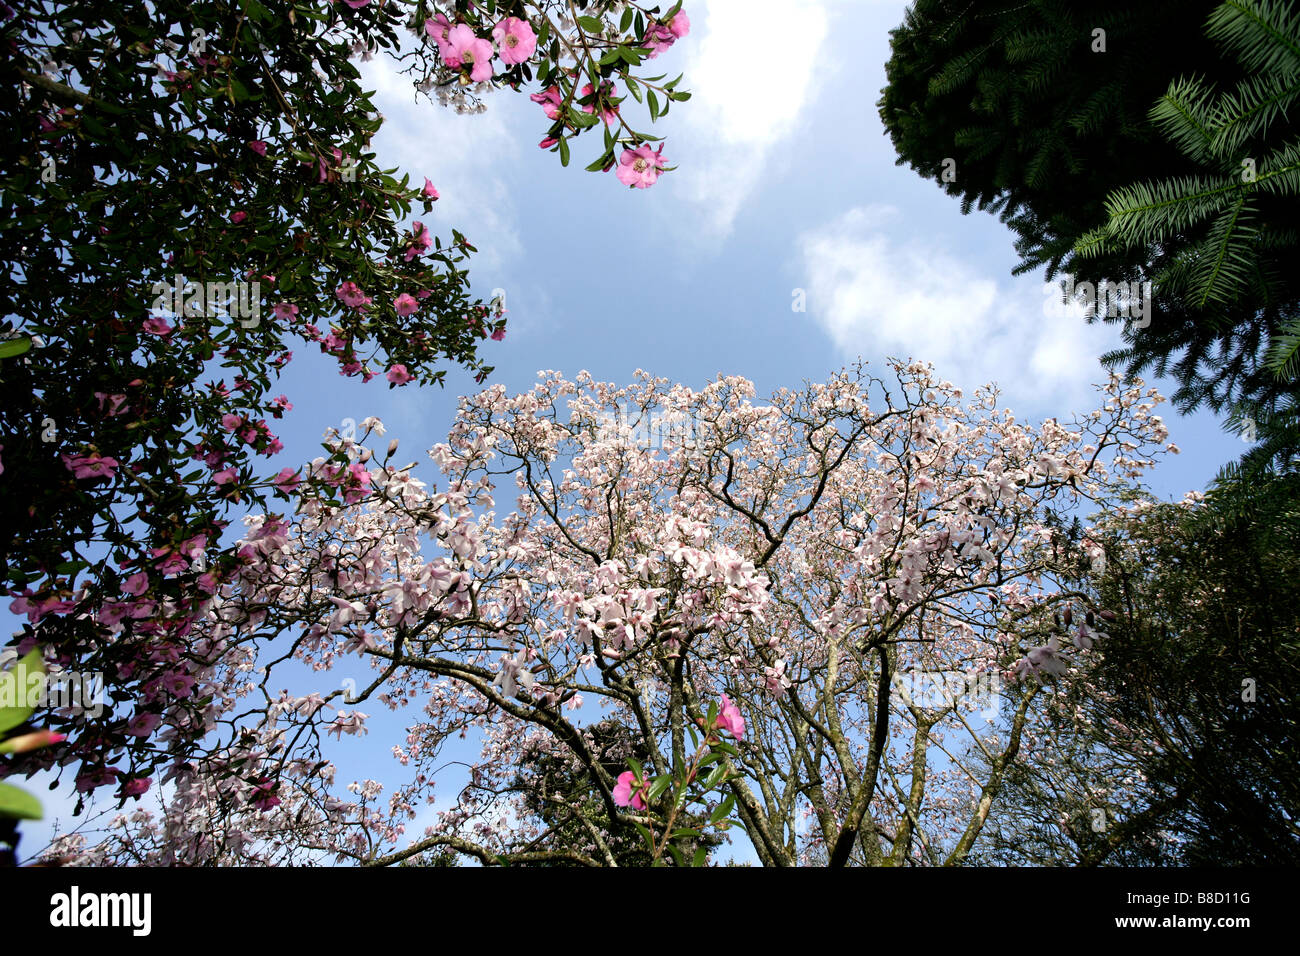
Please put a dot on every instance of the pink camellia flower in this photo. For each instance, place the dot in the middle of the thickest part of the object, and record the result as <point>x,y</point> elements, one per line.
<point>398,375</point>
<point>287,480</point>
<point>405,304</point>
<point>99,777</point>
<point>350,294</point>
<point>357,4</point>
<point>136,786</point>
<point>550,100</point>
<point>660,36</point>
<point>515,40</point>
<point>231,421</point>
<point>640,167</point>
<point>172,564</point>
<point>90,466</point>
<point>499,334</point>
<point>157,325</point>
<point>548,142</point>
<point>628,791</point>
<point>420,242</point>
<point>225,477</point>
<point>238,217</point>
<point>438,27</point>
<point>258,146</point>
<point>430,191</point>
<point>607,90</point>
<point>136,584</point>
<point>177,684</point>
<point>115,403</point>
<point>285,310</point>
<point>730,719</point>
<point>263,796</point>
<point>467,49</point>
<point>142,725</point>
<point>37,739</point>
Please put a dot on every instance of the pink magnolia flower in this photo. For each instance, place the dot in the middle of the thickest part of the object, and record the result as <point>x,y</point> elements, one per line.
<point>398,375</point>
<point>640,167</point>
<point>730,719</point>
<point>607,91</point>
<point>467,49</point>
<point>550,101</point>
<point>157,325</point>
<point>515,40</point>
<point>90,466</point>
<point>430,192</point>
<point>548,142</point>
<point>258,146</point>
<point>628,791</point>
<point>238,217</point>
<point>405,304</point>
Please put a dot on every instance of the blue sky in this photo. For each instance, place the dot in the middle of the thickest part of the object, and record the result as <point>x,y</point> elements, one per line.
<point>787,182</point>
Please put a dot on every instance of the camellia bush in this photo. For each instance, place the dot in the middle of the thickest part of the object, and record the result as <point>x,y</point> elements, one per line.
<point>189,196</point>
<point>662,616</point>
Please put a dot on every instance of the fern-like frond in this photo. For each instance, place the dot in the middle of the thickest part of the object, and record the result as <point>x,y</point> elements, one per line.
<point>1250,110</point>
<point>1265,34</point>
<point>1283,356</point>
<point>1228,262</point>
<point>1186,116</point>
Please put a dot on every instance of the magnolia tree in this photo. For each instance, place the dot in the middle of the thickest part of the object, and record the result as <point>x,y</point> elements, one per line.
<point>709,612</point>
<point>191,196</point>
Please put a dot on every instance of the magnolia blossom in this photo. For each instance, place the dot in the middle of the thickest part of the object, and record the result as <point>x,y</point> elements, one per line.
<point>550,597</point>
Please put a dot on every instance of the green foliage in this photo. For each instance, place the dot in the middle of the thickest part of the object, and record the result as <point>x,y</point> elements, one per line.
<point>1188,713</point>
<point>1127,165</point>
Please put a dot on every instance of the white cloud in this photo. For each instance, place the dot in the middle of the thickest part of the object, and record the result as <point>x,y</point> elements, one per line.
<point>742,102</point>
<point>465,156</point>
<point>877,295</point>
